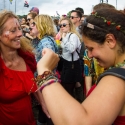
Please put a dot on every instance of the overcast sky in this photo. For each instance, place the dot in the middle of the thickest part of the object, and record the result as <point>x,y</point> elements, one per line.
<point>51,6</point>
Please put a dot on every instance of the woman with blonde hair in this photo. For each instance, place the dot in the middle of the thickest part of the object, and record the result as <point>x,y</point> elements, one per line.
<point>17,65</point>
<point>43,28</point>
<point>71,45</point>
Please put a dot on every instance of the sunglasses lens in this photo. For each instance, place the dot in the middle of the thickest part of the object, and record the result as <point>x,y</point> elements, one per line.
<point>64,25</point>
<point>30,29</point>
<point>28,19</point>
<point>71,17</point>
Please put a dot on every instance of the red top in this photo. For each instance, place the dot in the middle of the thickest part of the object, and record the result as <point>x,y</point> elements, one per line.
<point>15,102</point>
<point>120,120</point>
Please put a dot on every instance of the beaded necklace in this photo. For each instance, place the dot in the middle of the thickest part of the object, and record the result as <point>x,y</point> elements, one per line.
<point>118,65</point>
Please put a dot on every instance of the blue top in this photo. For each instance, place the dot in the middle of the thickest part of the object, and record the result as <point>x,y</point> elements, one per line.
<point>45,42</point>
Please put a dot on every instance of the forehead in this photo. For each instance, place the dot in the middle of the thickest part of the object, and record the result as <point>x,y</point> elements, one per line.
<point>23,19</point>
<point>29,16</point>
<point>64,21</point>
<point>12,22</point>
<point>88,42</point>
<point>73,14</point>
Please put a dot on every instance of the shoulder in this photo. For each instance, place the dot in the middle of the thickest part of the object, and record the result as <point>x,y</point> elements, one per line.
<point>72,36</point>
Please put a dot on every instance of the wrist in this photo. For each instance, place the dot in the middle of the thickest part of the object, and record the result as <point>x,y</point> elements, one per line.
<point>42,70</point>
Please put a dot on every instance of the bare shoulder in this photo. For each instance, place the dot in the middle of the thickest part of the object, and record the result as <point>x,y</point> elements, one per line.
<point>107,100</point>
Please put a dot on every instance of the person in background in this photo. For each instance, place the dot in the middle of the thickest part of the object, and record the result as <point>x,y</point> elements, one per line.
<point>106,103</point>
<point>83,18</point>
<point>17,65</point>
<point>34,10</point>
<point>102,6</point>
<point>75,17</point>
<point>56,23</point>
<point>80,9</point>
<point>71,46</point>
<point>23,20</point>
<point>43,29</point>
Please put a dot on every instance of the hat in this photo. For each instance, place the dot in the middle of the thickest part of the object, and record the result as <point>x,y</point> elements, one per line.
<point>34,9</point>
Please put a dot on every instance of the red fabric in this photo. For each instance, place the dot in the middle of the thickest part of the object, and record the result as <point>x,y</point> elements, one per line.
<point>15,103</point>
<point>92,88</point>
<point>120,120</point>
<point>29,59</point>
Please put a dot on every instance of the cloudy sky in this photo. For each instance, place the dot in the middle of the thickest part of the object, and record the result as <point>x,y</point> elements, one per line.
<point>51,6</point>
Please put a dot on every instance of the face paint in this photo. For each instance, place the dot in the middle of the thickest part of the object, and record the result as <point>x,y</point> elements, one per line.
<point>7,33</point>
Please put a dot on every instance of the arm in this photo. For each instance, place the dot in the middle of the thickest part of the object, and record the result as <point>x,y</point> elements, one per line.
<point>97,109</point>
<point>88,83</point>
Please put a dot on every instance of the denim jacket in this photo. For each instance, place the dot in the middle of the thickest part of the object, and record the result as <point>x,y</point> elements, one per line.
<point>46,42</point>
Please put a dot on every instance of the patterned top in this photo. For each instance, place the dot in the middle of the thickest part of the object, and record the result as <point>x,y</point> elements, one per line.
<point>91,67</point>
<point>46,42</point>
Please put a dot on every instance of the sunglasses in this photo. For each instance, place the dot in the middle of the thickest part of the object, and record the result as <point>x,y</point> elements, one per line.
<point>30,29</point>
<point>72,17</point>
<point>63,25</point>
<point>29,19</point>
<point>32,24</point>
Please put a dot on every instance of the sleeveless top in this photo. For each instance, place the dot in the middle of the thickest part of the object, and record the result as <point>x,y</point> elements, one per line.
<point>119,72</point>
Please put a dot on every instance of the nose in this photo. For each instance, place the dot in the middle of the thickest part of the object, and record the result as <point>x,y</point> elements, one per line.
<point>19,33</point>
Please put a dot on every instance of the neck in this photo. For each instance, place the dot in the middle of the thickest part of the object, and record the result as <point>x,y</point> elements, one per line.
<point>9,56</point>
<point>120,62</point>
<point>77,24</point>
<point>120,59</point>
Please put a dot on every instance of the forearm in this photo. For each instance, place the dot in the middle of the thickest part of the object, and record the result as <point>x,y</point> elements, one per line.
<point>88,83</point>
<point>61,106</point>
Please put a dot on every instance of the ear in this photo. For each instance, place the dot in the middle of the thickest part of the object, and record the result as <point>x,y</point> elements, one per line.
<point>110,40</point>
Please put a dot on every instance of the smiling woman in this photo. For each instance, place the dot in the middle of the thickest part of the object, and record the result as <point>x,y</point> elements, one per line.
<point>17,65</point>
<point>106,103</point>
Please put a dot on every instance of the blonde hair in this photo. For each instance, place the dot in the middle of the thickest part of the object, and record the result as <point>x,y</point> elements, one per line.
<point>45,25</point>
<point>72,27</point>
<point>26,44</point>
<point>4,16</point>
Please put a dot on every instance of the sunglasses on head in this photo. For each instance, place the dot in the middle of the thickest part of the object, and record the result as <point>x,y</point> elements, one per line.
<point>72,17</point>
<point>63,25</point>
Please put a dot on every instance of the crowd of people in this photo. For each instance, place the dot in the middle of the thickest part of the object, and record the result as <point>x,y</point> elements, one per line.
<point>66,71</point>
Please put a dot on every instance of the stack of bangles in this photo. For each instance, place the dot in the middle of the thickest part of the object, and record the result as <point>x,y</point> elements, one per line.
<point>47,78</point>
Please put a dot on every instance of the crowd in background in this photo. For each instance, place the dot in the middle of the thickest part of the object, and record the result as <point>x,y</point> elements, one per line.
<point>77,71</point>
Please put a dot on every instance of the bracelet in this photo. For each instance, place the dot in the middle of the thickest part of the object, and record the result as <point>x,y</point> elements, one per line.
<point>40,79</point>
<point>47,83</point>
<point>43,76</point>
<point>44,80</point>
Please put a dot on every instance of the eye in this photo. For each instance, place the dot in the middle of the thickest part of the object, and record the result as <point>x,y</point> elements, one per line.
<point>89,49</point>
<point>13,30</point>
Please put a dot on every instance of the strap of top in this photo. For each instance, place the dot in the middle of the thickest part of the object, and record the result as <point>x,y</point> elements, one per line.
<point>118,72</point>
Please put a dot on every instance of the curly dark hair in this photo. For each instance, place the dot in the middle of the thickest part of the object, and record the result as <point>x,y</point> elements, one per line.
<point>101,28</point>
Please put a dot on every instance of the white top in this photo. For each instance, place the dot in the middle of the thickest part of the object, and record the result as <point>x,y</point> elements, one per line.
<point>69,46</point>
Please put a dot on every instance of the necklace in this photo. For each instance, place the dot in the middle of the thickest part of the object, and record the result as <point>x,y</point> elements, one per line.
<point>118,65</point>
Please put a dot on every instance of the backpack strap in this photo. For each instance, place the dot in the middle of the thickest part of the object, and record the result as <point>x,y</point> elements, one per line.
<point>118,72</point>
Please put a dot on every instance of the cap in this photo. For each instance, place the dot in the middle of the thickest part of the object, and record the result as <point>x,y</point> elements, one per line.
<point>34,9</point>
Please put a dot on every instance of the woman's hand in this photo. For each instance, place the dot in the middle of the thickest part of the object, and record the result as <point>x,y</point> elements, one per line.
<point>48,61</point>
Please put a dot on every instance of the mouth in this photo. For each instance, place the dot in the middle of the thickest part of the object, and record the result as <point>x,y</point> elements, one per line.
<point>18,40</point>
